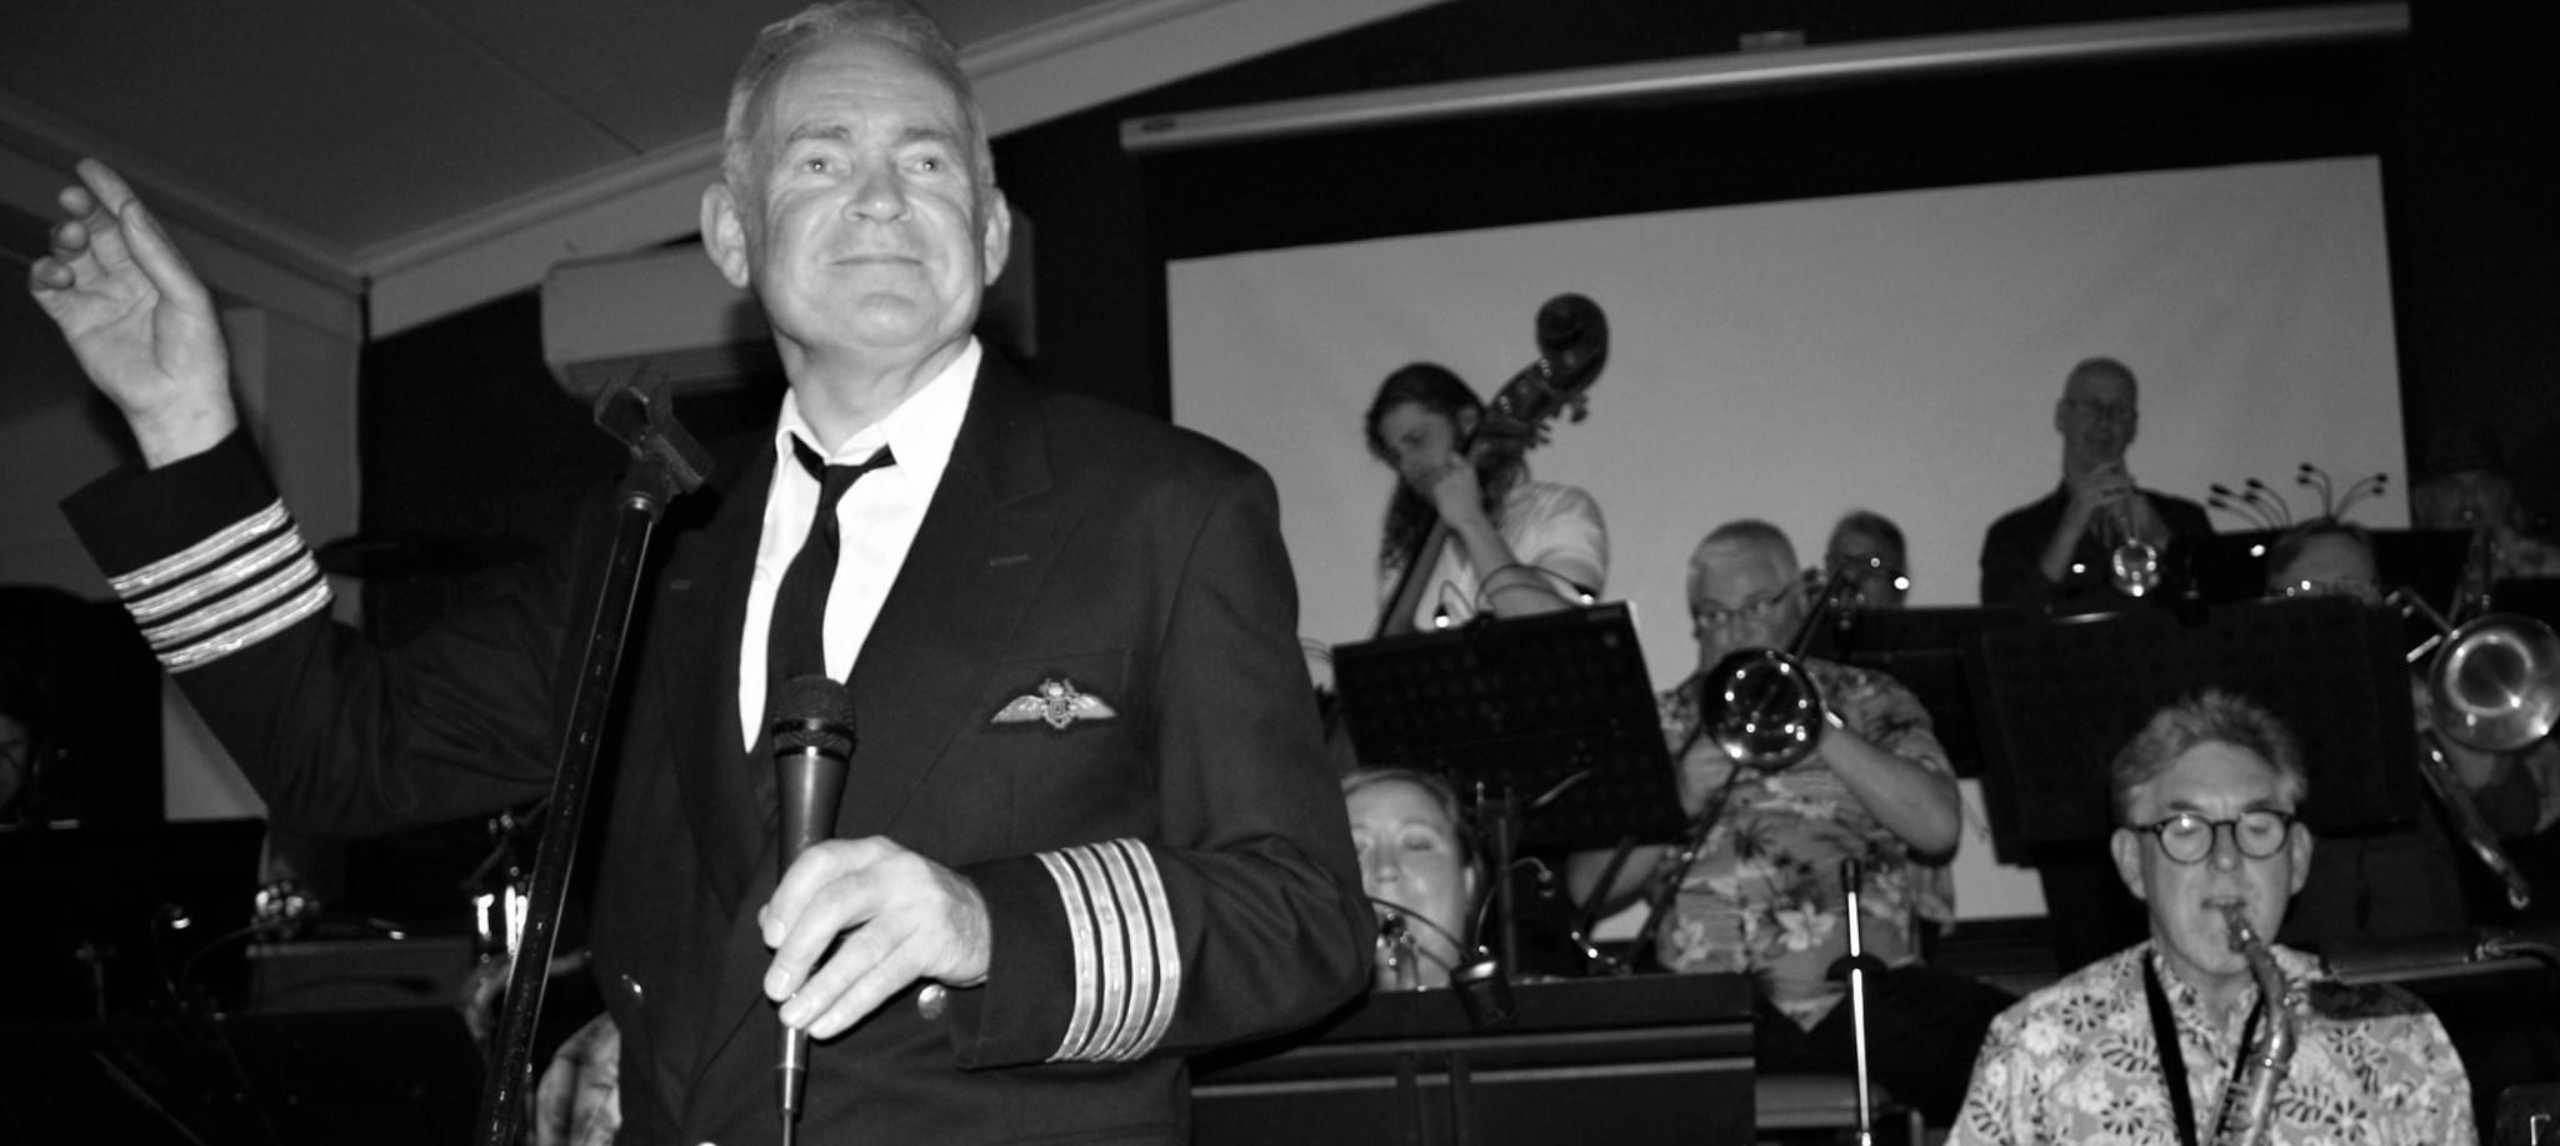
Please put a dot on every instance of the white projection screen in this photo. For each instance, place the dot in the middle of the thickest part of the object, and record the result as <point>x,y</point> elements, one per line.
<point>1899,352</point>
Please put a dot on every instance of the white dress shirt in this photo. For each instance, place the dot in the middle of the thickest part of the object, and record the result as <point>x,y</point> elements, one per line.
<point>877,521</point>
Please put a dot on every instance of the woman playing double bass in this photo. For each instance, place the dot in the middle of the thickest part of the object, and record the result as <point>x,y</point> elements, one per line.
<point>1467,532</point>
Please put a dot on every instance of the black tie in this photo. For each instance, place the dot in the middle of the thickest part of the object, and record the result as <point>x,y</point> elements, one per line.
<point>796,643</point>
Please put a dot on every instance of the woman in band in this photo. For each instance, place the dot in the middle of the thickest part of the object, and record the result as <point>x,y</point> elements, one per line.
<point>1417,862</point>
<point>1511,546</point>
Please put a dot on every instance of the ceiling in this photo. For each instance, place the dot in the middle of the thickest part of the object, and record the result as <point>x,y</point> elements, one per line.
<point>357,141</point>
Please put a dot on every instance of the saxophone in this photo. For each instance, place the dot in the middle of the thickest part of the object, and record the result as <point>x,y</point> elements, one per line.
<point>2264,1065</point>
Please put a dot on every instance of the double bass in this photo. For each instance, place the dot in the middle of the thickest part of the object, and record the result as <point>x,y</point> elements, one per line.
<point>1573,344</point>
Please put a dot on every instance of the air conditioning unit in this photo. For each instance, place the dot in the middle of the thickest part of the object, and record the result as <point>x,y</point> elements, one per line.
<point>668,315</point>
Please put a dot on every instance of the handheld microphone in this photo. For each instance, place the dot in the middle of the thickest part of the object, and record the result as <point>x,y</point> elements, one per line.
<point>811,722</point>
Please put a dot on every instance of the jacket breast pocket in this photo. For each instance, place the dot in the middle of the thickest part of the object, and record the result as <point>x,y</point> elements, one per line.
<point>1065,742</point>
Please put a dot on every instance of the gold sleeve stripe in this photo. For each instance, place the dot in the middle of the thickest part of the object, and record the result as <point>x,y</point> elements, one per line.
<point>247,582</point>
<point>180,564</point>
<point>309,601</point>
<point>1168,952</point>
<point>222,613</point>
<point>1079,937</point>
<point>227,577</point>
<point>1127,964</point>
<point>1143,990</point>
<point>1110,926</point>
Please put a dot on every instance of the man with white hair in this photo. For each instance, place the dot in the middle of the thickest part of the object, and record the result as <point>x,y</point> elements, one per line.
<point>1089,827</point>
<point>1763,896</point>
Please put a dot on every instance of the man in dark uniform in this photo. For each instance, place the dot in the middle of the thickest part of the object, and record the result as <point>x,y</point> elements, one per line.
<point>2056,555</point>
<point>1089,827</point>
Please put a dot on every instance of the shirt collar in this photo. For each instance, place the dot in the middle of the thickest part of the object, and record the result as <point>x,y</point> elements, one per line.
<point>921,430</point>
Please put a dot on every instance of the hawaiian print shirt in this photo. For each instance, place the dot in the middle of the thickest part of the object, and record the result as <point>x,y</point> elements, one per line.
<point>2076,1063</point>
<point>1764,895</point>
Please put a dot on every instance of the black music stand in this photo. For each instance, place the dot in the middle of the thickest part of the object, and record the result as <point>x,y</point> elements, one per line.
<point>1551,714</point>
<point>1929,650</point>
<point>2060,699</point>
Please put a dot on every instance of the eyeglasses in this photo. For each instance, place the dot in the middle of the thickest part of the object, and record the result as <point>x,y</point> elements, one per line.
<point>1712,617</point>
<point>2187,837</point>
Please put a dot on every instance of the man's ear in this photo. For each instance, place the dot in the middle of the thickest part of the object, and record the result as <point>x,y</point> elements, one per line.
<point>2126,846</point>
<point>724,234</point>
<point>2298,843</point>
<point>995,236</point>
<point>1466,422</point>
<point>2061,408</point>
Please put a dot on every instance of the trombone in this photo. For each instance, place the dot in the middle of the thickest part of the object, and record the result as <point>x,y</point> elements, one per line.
<point>2492,685</point>
<point>1766,712</point>
<point>1760,705</point>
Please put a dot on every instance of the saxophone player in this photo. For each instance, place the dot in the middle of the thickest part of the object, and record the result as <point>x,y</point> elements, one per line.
<point>2181,1038</point>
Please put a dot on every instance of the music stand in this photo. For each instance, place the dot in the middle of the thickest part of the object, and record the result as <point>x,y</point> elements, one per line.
<point>2060,700</point>
<point>1552,714</point>
<point>1929,651</point>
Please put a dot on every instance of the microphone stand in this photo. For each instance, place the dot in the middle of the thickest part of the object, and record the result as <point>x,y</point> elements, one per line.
<point>665,462</point>
<point>1859,964</point>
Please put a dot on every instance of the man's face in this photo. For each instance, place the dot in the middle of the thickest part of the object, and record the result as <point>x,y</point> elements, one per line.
<point>862,231</point>
<point>2215,781</point>
<point>1743,597</point>
<point>2328,565</point>
<point>1877,588</point>
<point>1410,857</point>
<point>2097,416</point>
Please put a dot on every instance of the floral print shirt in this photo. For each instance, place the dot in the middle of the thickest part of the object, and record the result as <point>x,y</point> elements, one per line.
<point>2076,1063</point>
<point>1763,896</point>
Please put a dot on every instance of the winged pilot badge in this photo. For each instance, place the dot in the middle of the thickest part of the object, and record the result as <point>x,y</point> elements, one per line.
<point>1057,702</point>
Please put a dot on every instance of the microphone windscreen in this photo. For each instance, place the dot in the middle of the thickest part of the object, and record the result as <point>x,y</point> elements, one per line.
<point>812,711</point>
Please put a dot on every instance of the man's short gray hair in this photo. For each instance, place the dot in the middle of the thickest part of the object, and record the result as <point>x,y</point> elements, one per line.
<point>895,21</point>
<point>1746,533</point>
<point>2209,717</point>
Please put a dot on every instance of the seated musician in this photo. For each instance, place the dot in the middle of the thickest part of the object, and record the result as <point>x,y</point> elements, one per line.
<point>1417,863</point>
<point>1873,540</point>
<point>2205,798</point>
<point>1762,895</point>
<point>1512,546</point>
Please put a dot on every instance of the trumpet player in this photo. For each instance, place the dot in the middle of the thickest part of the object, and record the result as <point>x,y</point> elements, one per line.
<point>2188,1036</point>
<point>1760,895</point>
<point>2069,552</point>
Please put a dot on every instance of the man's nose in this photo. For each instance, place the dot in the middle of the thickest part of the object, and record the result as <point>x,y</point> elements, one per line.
<point>879,194</point>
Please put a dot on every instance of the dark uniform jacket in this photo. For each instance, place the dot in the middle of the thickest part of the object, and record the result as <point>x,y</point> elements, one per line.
<point>1172,876</point>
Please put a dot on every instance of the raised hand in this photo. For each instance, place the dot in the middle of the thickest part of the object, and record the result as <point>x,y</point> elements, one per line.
<point>139,321</point>
<point>903,918</point>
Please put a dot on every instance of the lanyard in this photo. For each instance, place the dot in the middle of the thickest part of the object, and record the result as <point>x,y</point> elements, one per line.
<point>2173,1061</point>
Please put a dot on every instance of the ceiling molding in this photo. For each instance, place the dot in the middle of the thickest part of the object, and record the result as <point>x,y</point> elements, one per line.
<point>239,262</point>
<point>1792,68</point>
<point>1025,78</point>
<point>261,258</point>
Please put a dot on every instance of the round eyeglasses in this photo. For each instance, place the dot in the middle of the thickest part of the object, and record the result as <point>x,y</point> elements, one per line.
<point>2188,838</point>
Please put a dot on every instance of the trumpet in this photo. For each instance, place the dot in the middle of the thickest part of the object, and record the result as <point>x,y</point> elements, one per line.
<point>2492,685</point>
<point>2133,566</point>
